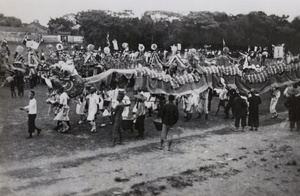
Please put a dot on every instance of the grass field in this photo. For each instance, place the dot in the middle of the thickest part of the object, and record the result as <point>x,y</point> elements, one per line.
<point>79,138</point>
<point>208,156</point>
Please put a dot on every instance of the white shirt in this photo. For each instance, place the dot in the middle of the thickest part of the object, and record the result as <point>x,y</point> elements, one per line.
<point>276,94</point>
<point>32,107</point>
<point>93,101</point>
<point>126,101</point>
<point>63,99</point>
<point>223,94</point>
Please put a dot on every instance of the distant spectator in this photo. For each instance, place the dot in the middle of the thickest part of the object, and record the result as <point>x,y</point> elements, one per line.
<point>240,111</point>
<point>223,98</point>
<point>140,115</point>
<point>170,116</point>
<point>254,102</point>
<point>93,102</point>
<point>293,105</point>
<point>32,112</point>
<point>117,119</point>
<point>232,95</point>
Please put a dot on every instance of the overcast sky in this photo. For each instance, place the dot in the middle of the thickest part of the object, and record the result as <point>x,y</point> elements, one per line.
<point>43,10</point>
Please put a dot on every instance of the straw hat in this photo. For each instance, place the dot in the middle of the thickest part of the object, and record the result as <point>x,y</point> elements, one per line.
<point>90,47</point>
<point>9,79</point>
<point>140,97</point>
<point>252,90</point>
<point>293,91</point>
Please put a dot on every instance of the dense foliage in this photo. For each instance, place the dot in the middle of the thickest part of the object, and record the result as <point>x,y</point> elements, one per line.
<point>192,30</point>
<point>167,28</point>
<point>9,21</point>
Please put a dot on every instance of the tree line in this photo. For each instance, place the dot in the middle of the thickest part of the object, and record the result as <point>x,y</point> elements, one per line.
<point>192,30</point>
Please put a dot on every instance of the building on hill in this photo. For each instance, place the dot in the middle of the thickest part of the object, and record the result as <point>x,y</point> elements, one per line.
<point>35,31</point>
<point>37,27</point>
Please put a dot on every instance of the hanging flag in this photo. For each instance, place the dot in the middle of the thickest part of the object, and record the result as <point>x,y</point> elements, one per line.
<point>249,49</point>
<point>255,48</point>
<point>107,39</point>
<point>25,38</point>
<point>224,43</point>
<point>179,46</point>
<point>278,51</point>
<point>115,43</point>
<point>30,43</point>
<point>4,42</point>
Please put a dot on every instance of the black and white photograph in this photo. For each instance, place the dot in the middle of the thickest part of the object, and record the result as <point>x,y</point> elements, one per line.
<point>149,98</point>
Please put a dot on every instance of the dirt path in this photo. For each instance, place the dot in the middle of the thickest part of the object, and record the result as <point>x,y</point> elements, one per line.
<point>208,157</point>
<point>211,162</point>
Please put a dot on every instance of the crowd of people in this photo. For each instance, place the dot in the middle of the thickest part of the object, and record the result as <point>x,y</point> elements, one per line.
<point>113,106</point>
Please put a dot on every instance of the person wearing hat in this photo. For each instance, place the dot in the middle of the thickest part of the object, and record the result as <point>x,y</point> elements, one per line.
<point>275,95</point>
<point>254,101</point>
<point>140,115</point>
<point>295,86</point>
<point>293,105</point>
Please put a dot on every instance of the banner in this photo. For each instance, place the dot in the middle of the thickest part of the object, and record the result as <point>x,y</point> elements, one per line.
<point>159,83</point>
<point>278,51</point>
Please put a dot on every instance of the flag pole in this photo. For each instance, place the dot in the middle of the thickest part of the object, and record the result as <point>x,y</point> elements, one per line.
<point>24,37</point>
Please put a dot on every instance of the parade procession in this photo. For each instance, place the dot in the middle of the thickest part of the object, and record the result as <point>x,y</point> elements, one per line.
<point>165,104</point>
<point>94,79</point>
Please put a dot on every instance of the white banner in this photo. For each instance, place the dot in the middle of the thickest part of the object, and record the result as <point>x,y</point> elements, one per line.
<point>278,52</point>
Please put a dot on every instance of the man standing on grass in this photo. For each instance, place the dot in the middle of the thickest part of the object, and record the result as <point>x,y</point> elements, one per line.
<point>93,100</point>
<point>117,111</point>
<point>169,116</point>
<point>32,110</point>
<point>254,102</point>
<point>240,111</point>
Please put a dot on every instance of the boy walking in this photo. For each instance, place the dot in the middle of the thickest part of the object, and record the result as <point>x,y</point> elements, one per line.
<point>32,111</point>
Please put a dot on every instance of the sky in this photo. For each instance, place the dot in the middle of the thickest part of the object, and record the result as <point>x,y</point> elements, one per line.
<point>44,10</point>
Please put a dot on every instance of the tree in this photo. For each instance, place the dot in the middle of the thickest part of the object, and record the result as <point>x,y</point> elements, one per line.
<point>60,24</point>
<point>192,30</point>
<point>10,21</point>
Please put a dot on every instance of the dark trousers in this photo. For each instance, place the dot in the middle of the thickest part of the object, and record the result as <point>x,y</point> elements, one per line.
<point>139,125</point>
<point>228,107</point>
<point>33,81</point>
<point>209,105</point>
<point>20,89</point>
<point>292,124</point>
<point>31,123</point>
<point>238,119</point>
